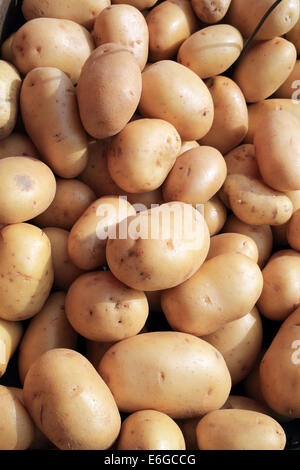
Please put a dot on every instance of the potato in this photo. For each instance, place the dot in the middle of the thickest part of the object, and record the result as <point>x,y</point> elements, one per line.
<point>187,145</point>
<point>10,83</point>
<point>49,329</point>
<point>83,12</point>
<point>17,429</point>
<point>109,90</point>
<point>88,237</point>
<point>150,430</point>
<point>236,402</point>
<point>280,365</point>
<point>281,20</point>
<point>26,272</point>
<point>261,234</point>
<point>62,387</point>
<point>293,36</point>
<point>293,230</point>
<point>50,114</point>
<point>169,24</point>
<point>258,75</point>
<point>71,199</point>
<point>239,342</point>
<point>142,154</point>
<point>210,12</point>
<point>28,188</point>
<point>159,248</point>
<point>10,336</point>
<point>212,50</point>
<point>6,48</point>
<point>277,144</point>
<point>17,145</point>
<point>139,4</point>
<point>38,43</point>
<point>233,243</point>
<point>215,214</point>
<point>65,272</point>
<point>239,430</point>
<point>196,177</point>
<point>195,382</point>
<point>224,289</point>
<point>242,161</point>
<point>288,88</point>
<point>175,93</point>
<point>126,26</point>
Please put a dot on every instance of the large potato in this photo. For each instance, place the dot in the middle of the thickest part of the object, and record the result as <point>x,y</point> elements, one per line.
<point>233,243</point>
<point>10,85</point>
<point>215,214</point>
<point>50,114</point>
<point>26,272</point>
<point>224,289</point>
<point>211,12</point>
<point>10,336</point>
<point>49,42</point>
<point>27,189</point>
<point>175,93</point>
<point>17,145</point>
<point>70,403</point>
<point>194,382</point>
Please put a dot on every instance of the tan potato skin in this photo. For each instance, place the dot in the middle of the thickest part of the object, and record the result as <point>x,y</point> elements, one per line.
<point>10,336</point>
<point>233,243</point>
<point>86,249</point>
<point>139,4</point>
<point>49,329</point>
<point>215,214</point>
<point>142,154</point>
<point>203,383</point>
<point>10,83</point>
<point>239,430</point>
<point>17,429</point>
<point>17,145</point>
<point>6,49</point>
<point>224,289</point>
<point>175,93</point>
<point>109,90</point>
<point>48,97</point>
<point>293,36</point>
<point>26,272</point>
<point>60,388</point>
<point>38,44</point>
<point>124,25</point>
<point>260,63</point>
<point>242,161</point>
<point>196,176</point>
<point>280,365</point>
<point>293,231</point>
<point>187,145</point>
<point>288,88</point>
<point>210,12</point>
<point>231,115</point>
<point>150,430</point>
<point>212,50</point>
<point>71,199</point>
<point>236,402</point>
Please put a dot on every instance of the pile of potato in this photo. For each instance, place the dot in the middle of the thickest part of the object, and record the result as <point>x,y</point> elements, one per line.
<point>105,111</point>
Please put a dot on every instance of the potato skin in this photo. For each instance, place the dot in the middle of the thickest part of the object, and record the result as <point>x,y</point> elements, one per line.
<point>293,230</point>
<point>17,145</point>
<point>210,12</point>
<point>164,388</point>
<point>150,430</point>
<point>10,83</point>
<point>49,329</point>
<point>10,336</point>
<point>215,214</point>
<point>239,430</point>
<point>6,49</point>
<point>60,388</point>
<point>286,90</point>
<point>233,243</point>
<point>236,402</point>
<point>50,114</point>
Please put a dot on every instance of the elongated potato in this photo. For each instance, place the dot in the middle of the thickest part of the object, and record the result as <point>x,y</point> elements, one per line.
<point>17,145</point>
<point>210,12</point>
<point>49,111</point>
<point>10,336</point>
<point>10,83</point>
<point>233,243</point>
<point>242,161</point>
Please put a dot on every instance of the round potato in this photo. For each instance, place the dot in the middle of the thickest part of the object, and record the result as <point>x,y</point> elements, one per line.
<point>10,336</point>
<point>233,243</point>
<point>288,88</point>
<point>224,289</point>
<point>49,329</point>
<point>17,145</point>
<point>175,93</point>
<point>195,382</point>
<point>210,12</point>
<point>150,430</point>
<point>62,387</point>
<point>10,83</point>
<point>215,215</point>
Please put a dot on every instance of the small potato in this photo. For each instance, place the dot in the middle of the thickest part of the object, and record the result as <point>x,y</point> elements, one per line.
<point>175,93</point>
<point>71,199</point>
<point>6,49</point>
<point>196,177</point>
<point>224,289</point>
<point>293,231</point>
<point>87,239</point>
<point>239,430</point>
<point>28,188</point>
<point>215,215</point>
<point>10,83</point>
<point>233,243</point>
<point>10,336</point>
<point>70,403</point>
<point>210,12</point>
<point>50,115</point>
<point>291,84</point>
<point>236,402</point>
<point>258,74</point>
<point>150,430</point>
<point>193,383</point>
<point>142,154</point>
<point>109,90</point>
<point>124,25</point>
<point>17,145</point>
<point>49,329</point>
<point>38,43</point>
<point>240,343</point>
<point>212,50</point>
<point>231,115</point>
